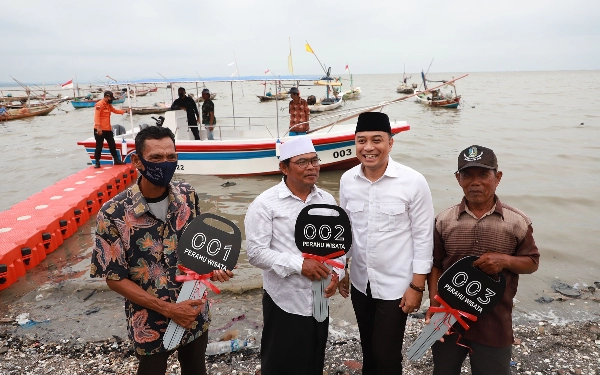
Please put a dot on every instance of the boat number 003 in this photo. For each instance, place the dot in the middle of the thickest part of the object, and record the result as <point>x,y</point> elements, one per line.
<point>179,167</point>
<point>212,248</point>
<point>472,288</point>
<point>341,154</point>
<point>310,232</point>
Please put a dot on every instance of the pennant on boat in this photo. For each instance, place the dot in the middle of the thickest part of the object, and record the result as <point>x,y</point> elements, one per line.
<point>231,64</point>
<point>347,69</point>
<point>267,71</point>
<point>308,49</point>
<point>68,84</point>
<point>290,66</point>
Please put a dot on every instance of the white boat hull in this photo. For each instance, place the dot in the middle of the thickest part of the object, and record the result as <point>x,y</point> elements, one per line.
<point>236,154</point>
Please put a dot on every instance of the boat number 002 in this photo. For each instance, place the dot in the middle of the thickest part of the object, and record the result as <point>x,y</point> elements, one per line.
<point>341,154</point>
<point>179,167</point>
<point>310,232</point>
<point>472,288</point>
<point>212,248</point>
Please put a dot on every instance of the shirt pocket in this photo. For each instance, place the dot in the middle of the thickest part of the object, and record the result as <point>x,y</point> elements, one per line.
<point>392,216</point>
<point>357,214</point>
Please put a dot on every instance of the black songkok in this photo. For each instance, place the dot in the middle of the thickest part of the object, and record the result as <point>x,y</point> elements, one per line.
<point>373,122</point>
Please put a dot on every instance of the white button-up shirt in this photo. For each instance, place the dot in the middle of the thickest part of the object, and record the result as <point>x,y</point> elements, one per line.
<point>392,228</point>
<point>270,245</point>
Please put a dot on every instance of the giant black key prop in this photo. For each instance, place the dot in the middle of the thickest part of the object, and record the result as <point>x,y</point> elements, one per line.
<point>323,237</point>
<point>464,292</point>
<point>202,249</point>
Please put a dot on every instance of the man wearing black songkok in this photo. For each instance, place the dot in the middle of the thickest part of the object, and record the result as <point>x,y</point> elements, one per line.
<point>391,212</point>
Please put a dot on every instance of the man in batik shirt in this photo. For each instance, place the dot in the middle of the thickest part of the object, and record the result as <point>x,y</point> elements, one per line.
<point>299,113</point>
<point>136,242</point>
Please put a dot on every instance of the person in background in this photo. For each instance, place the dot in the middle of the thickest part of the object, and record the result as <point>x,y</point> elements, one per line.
<point>293,342</point>
<point>189,106</point>
<point>208,113</point>
<point>135,252</point>
<point>502,237</point>
<point>103,129</point>
<point>299,113</point>
<point>391,212</point>
<point>3,112</point>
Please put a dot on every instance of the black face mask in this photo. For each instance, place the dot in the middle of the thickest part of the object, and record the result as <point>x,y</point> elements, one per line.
<point>110,101</point>
<point>181,96</point>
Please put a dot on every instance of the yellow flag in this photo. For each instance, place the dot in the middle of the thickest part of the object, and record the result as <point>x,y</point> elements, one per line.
<point>290,66</point>
<point>308,49</point>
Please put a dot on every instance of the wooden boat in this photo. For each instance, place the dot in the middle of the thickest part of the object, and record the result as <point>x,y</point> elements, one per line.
<point>89,103</point>
<point>149,110</point>
<point>16,114</point>
<point>405,88</point>
<point>33,105</point>
<point>352,94</point>
<point>139,92</point>
<point>327,104</point>
<point>153,89</point>
<point>250,149</point>
<point>435,97</point>
<point>268,98</point>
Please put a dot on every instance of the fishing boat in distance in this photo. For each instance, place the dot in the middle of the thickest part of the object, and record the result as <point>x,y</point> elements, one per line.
<point>17,114</point>
<point>435,97</point>
<point>250,146</point>
<point>405,87</point>
<point>89,103</point>
<point>329,103</point>
<point>149,110</point>
<point>354,92</point>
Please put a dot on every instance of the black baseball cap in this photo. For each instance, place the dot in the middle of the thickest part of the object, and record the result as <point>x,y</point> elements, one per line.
<point>109,93</point>
<point>477,156</point>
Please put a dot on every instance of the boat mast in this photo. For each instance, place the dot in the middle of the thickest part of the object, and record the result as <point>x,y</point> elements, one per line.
<point>232,104</point>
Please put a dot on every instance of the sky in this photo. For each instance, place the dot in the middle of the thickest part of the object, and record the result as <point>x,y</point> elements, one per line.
<point>54,41</point>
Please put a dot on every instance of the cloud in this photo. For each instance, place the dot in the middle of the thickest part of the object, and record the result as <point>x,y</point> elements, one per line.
<point>52,41</point>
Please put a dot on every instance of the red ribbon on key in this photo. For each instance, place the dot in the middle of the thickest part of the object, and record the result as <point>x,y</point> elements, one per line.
<point>328,259</point>
<point>191,275</point>
<point>458,314</point>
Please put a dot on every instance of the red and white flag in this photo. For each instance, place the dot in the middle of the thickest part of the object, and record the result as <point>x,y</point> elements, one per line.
<point>346,68</point>
<point>267,71</point>
<point>67,85</point>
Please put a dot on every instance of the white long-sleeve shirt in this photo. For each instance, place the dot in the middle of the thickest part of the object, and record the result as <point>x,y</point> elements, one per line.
<point>392,228</point>
<point>271,246</point>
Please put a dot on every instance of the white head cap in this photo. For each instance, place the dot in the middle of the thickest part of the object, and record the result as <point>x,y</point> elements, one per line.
<point>296,146</point>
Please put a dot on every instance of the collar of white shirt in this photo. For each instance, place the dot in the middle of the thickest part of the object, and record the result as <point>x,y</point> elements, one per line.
<point>390,171</point>
<point>284,192</point>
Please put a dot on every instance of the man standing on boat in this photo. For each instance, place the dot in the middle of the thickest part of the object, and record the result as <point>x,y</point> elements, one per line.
<point>293,342</point>
<point>299,113</point>
<point>208,113</point>
<point>189,106</point>
<point>103,129</point>
<point>136,241</point>
<point>502,236</point>
<point>391,213</point>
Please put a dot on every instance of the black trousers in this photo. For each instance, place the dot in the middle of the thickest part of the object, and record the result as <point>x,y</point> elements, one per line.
<point>448,357</point>
<point>381,325</point>
<point>190,357</point>
<point>110,139</point>
<point>291,344</point>
<point>194,128</point>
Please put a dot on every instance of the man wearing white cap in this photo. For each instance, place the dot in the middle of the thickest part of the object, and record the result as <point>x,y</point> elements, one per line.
<point>293,342</point>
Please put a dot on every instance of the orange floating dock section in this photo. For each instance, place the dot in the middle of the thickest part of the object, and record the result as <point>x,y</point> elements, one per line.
<point>31,229</point>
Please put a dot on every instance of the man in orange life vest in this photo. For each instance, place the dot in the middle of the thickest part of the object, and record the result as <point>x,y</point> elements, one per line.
<point>102,128</point>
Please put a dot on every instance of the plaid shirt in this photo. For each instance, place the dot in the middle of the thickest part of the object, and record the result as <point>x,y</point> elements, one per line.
<point>299,113</point>
<point>504,229</point>
<point>131,243</point>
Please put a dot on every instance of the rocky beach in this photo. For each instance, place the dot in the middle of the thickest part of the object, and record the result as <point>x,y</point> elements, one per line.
<point>78,327</point>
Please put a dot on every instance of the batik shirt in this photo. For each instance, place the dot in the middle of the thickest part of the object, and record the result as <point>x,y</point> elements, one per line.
<point>131,243</point>
<point>299,113</point>
<point>207,107</point>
